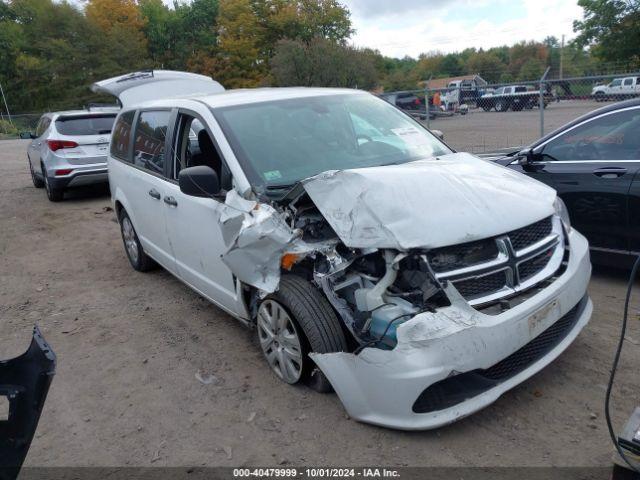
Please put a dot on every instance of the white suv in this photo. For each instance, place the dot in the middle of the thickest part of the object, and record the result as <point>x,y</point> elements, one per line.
<point>69,149</point>
<point>419,283</point>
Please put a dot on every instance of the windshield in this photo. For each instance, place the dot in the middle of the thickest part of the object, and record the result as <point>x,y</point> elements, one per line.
<point>86,125</point>
<point>284,141</point>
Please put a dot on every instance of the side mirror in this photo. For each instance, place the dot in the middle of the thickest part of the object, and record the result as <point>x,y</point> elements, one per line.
<point>200,181</point>
<point>26,135</point>
<point>526,156</point>
<point>438,133</point>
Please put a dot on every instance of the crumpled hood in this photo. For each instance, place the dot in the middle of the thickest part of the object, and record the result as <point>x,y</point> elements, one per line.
<point>429,203</point>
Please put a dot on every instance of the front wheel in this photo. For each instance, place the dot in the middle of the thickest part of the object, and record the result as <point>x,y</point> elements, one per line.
<point>293,322</point>
<point>501,106</point>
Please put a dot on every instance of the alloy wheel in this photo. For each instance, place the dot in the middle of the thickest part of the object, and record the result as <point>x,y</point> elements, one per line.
<point>280,341</point>
<point>130,241</point>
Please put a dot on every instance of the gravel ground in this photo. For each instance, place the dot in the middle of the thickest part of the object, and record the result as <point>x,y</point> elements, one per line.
<point>481,131</point>
<point>129,346</point>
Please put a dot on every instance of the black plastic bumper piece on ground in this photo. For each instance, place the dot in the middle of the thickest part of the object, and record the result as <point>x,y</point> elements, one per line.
<point>454,390</point>
<point>25,382</point>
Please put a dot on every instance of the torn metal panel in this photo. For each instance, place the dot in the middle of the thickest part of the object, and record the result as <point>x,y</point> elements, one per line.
<point>25,382</point>
<point>257,237</point>
<point>427,203</point>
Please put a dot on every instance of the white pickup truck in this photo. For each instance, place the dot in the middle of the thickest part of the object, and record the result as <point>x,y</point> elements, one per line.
<point>618,89</point>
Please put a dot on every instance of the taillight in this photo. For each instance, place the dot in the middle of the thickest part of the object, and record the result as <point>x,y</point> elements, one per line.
<point>416,101</point>
<point>58,144</point>
<point>64,171</point>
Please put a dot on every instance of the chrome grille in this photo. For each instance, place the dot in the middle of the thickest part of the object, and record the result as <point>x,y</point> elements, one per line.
<point>488,270</point>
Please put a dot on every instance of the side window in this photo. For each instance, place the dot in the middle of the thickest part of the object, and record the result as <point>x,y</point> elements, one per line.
<point>194,146</point>
<point>615,83</point>
<point>608,137</point>
<point>628,81</point>
<point>151,132</point>
<point>121,136</point>
<point>43,124</point>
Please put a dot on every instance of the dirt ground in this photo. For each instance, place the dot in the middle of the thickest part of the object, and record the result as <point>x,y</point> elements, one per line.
<point>129,346</point>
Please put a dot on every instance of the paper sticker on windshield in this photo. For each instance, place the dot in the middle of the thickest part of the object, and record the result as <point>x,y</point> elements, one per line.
<point>411,136</point>
<point>272,175</point>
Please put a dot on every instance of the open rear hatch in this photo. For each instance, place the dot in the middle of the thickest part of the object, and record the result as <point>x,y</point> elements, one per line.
<point>24,384</point>
<point>138,87</point>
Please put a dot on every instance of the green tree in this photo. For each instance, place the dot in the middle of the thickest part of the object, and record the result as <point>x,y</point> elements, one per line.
<point>323,63</point>
<point>611,28</point>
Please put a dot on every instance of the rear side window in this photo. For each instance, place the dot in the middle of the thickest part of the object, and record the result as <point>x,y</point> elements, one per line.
<point>121,136</point>
<point>85,125</point>
<point>43,124</point>
<point>151,132</point>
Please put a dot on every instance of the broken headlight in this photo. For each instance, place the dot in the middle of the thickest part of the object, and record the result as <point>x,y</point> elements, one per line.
<point>563,213</point>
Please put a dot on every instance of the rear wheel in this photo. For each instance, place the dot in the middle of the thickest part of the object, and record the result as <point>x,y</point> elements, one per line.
<point>53,194</point>
<point>139,260</point>
<point>293,322</point>
<point>37,182</point>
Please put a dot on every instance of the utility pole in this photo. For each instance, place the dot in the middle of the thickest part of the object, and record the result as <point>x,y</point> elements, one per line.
<point>562,57</point>
<point>5,104</point>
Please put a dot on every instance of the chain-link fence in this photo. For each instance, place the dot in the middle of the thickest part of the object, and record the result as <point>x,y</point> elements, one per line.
<point>12,125</point>
<point>480,117</point>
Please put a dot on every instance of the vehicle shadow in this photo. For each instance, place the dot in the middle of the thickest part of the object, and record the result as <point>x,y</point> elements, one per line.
<point>88,192</point>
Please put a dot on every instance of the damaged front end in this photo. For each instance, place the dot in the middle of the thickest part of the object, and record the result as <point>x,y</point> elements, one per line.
<point>24,384</point>
<point>445,310</point>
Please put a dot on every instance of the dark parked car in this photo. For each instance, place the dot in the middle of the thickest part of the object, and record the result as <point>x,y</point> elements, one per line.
<point>594,164</point>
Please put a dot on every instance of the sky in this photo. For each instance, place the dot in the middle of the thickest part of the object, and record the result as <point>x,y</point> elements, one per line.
<point>410,27</point>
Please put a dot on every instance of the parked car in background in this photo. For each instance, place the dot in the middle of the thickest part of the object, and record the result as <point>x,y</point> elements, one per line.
<point>69,149</point>
<point>514,97</point>
<point>405,100</point>
<point>594,164</point>
<point>369,256</point>
<point>618,89</point>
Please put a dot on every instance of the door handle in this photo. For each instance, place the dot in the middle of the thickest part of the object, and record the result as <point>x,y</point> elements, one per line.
<point>610,172</point>
<point>171,201</point>
<point>154,193</point>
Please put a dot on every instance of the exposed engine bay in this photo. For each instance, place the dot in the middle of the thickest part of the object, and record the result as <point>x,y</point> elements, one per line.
<point>372,290</point>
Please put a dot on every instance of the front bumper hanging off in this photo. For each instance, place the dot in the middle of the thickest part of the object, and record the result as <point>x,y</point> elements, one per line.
<point>454,362</point>
<point>24,382</point>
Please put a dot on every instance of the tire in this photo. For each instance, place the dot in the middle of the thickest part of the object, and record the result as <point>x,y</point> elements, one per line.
<point>37,182</point>
<point>600,97</point>
<point>502,106</point>
<point>314,322</point>
<point>140,261</point>
<point>53,194</point>
<point>486,108</point>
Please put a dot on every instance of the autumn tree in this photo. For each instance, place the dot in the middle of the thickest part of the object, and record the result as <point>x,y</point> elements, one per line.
<point>487,65</point>
<point>238,62</point>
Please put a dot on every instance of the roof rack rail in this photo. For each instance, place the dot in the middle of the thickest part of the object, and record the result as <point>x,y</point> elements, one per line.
<point>91,105</point>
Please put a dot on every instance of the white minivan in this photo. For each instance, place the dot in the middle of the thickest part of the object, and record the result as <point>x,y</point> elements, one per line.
<point>419,283</point>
